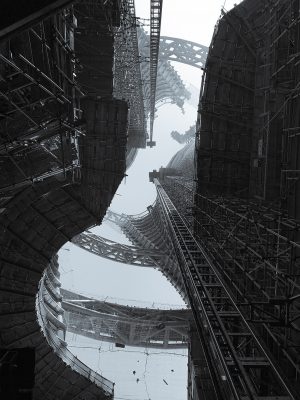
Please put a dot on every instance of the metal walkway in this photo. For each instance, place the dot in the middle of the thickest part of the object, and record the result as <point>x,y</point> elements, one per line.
<point>183,51</point>
<point>126,326</point>
<point>132,255</point>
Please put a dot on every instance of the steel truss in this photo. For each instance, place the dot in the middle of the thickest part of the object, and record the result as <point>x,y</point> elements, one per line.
<point>155,20</point>
<point>145,230</point>
<point>133,76</point>
<point>133,255</point>
<point>51,317</point>
<point>169,85</point>
<point>184,138</point>
<point>255,249</point>
<point>128,326</point>
<point>254,243</point>
<point>183,51</point>
<point>127,74</point>
<point>239,366</point>
<point>149,248</point>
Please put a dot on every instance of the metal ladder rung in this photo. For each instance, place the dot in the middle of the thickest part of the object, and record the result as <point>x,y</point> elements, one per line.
<point>226,314</point>
<point>235,334</point>
<point>213,285</point>
<point>206,274</point>
<point>249,362</point>
<point>275,397</point>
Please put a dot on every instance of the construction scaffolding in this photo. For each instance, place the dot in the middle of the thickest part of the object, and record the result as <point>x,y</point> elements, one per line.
<point>155,21</point>
<point>39,97</point>
<point>254,251</point>
<point>128,83</point>
<point>169,85</point>
<point>62,160</point>
<point>246,203</point>
<point>233,351</point>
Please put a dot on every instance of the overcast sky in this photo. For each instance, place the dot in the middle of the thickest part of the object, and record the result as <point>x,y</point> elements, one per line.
<point>192,20</point>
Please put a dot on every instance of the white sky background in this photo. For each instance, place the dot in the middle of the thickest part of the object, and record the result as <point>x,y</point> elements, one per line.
<point>150,366</point>
<point>192,20</point>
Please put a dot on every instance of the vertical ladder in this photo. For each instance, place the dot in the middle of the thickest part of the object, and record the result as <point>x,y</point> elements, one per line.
<point>239,366</point>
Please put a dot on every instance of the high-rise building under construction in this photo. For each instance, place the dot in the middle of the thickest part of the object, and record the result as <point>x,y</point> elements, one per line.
<point>224,228</point>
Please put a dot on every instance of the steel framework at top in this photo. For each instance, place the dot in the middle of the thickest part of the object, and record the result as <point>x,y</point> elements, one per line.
<point>155,21</point>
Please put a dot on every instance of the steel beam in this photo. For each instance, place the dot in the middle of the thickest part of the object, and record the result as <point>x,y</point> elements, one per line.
<point>235,364</point>
<point>155,20</point>
<point>16,19</point>
<point>253,247</point>
<point>128,82</point>
<point>183,51</point>
<point>148,250</point>
<point>130,326</point>
<point>133,255</point>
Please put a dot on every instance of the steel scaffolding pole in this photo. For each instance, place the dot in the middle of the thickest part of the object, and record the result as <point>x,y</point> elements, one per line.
<point>239,365</point>
<point>127,74</point>
<point>155,21</point>
<point>41,94</point>
<point>254,248</point>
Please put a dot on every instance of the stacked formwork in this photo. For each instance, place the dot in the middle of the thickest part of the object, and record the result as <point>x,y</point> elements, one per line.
<point>254,242</point>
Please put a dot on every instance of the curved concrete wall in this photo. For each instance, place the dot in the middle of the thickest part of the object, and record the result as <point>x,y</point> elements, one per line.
<point>38,215</point>
<point>34,225</point>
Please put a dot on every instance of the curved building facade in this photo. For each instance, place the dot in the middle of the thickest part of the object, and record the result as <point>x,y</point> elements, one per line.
<point>231,244</point>
<point>63,148</point>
